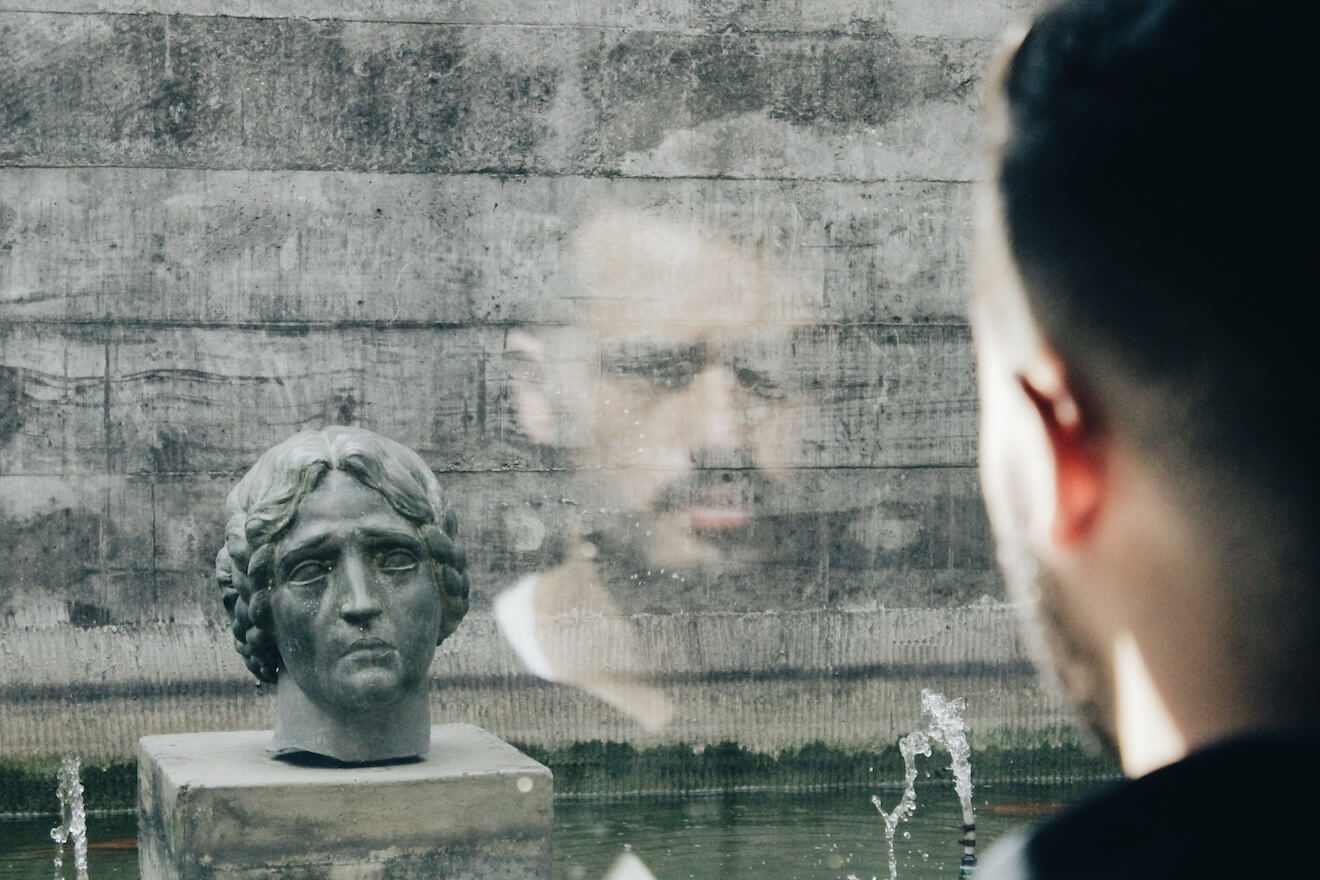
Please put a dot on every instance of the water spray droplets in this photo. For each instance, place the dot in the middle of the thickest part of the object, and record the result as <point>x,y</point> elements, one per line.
<point>915,743</point>
<point>73,819</point>
<point>944,726</point>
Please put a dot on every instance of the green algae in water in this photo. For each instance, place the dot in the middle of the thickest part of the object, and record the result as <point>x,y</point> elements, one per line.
<point>27,851</point>
<point>27,786</point>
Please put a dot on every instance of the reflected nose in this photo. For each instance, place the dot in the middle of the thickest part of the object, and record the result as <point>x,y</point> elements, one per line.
<point>359,604</point>
<point>715,421</point>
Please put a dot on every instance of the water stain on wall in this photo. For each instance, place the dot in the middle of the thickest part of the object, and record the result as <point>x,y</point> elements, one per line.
<point>50,554</point>
<point>12,398</point>
<point>831,81</point>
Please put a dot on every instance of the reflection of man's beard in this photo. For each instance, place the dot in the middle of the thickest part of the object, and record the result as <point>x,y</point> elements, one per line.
<point>744,489</point>
<point>1065,661</point>
<point>658,554</point>
<point>709,520</point>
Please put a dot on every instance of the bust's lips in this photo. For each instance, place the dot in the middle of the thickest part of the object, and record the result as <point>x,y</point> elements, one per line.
<point>369,644</point>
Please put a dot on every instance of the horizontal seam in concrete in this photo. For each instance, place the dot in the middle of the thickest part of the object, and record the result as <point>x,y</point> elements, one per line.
<point>907,671</point>
<point>394,324</point>
<point>490,172</point>
<point>941,466</point>
<point>812,467</point>
<point>719,30</point>
<point>90,692</point>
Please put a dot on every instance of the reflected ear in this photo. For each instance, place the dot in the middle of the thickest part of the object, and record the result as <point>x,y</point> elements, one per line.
<point>1073,431</point>
<point>524,356</point>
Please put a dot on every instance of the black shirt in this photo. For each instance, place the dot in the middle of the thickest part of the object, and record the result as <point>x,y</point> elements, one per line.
<point>1247,808</point>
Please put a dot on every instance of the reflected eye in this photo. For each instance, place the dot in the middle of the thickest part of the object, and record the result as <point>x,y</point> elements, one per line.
<point>661,374</point>
<point>397,561</point>
<point>758,383</point>
<point>308,573</point>
<point>662,368</point>
<point>672,376</point>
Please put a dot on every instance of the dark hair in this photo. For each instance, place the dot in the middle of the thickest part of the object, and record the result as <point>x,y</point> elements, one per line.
<point>1158,198</point>
<point>264,503</point>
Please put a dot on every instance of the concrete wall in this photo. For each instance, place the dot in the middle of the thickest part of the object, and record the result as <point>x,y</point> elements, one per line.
<point>221,222</point>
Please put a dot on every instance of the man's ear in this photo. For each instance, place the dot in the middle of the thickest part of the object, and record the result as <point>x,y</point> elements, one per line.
<point>1072,427</point>
<point>524,356</point>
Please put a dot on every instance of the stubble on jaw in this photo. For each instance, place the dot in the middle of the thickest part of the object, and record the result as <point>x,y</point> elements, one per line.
<point>1068,664</point>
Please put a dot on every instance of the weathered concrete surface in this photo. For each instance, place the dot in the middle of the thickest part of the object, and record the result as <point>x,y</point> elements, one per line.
<point>771,681</point>
<point>970,18</point>
<point>173,400</point>
<point>222,92</point>
<point>217,805</point>
<point>140,549</point>
<point>224,220</point>
<point>154,247</point>
<point>1006,707</point>
<point>769,643</point>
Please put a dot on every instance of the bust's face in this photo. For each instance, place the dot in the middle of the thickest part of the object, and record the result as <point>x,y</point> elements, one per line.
<point>357,612</point>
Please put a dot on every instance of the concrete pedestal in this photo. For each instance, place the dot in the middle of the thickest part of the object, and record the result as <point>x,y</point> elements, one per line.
<point>218,805</point>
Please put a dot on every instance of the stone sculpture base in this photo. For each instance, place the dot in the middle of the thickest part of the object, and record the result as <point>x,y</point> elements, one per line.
<point>219,806</point>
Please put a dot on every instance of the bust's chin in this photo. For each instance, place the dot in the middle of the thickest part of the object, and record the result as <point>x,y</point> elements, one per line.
<point>376,720</point>
<point>365,689</point>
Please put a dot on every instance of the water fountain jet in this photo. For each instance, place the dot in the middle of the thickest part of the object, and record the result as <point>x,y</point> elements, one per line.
<point>945,726</point>
<point>910,746</point>
<point>73,819</point>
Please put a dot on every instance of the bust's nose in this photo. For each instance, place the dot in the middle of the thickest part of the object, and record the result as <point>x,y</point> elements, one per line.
<point>359,604</point>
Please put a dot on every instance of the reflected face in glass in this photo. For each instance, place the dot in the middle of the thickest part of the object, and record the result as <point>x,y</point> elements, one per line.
<point>694,428</point>
<point>683,397</point>
<point>356,608</point>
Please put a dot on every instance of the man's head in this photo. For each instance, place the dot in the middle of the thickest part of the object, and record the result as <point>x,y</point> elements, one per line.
<point>675,386</point>
<point>1142,307</point>
<point>339,567</point>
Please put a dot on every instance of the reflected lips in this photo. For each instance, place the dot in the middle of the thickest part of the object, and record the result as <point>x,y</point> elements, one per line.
<point>717,519</point>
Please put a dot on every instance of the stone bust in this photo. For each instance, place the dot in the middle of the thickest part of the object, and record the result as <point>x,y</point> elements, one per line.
<point>341,576</point>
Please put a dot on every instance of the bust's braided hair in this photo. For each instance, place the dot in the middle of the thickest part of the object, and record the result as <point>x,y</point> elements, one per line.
<point>264,503</point>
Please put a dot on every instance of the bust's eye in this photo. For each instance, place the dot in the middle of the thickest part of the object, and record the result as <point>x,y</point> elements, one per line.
<point>308,573</point>
<point>397,561</point>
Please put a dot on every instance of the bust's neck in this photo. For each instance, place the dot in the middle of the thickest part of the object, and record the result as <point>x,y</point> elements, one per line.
<point>401,730</point>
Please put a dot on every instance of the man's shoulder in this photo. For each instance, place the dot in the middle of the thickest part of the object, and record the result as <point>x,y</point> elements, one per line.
<point>1172,823</point>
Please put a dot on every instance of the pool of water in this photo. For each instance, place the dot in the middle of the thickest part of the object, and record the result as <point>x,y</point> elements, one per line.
<point>765,835</point>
